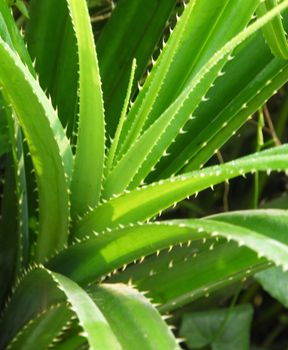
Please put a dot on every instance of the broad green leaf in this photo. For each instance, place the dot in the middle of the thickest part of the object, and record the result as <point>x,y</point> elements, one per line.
<point>89,158</point>
<point>52,44</point>
<point>147,201</point>
<point>149,148</point>
<point>134,320</point>
<point>43,132</point>
<point>275,282</point>
<point>222,329</point>
<point>274,32</point>
<point>139,26</point>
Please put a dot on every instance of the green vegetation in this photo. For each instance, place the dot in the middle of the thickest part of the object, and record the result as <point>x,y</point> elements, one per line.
<point>97,141</point>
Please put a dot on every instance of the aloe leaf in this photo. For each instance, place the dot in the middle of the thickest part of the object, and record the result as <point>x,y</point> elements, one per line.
<point>222,329</point>
<point>146,152</point>
<point>178,61</point>
<point>146,202</point>
<point>143,25</point>
<point>43,131</point>
<point>217,119</point>
<point>33,294</point>
<point>10,34</point>
<point>96,328</point>
<point>227,126</point>
<point>100,326</point>
<point>262,232</point>
<point>263,222</point>
<point>273,280</point>
<point>269,224</point>
<point>102,254</point>
<point>274,32</point>
<point>89,158</point>
<point>178,276</point>
<point>38,334</point>
<point>230,263</point>
<point>149,329</point>
<point>38,291</point>
<point>52,44</point>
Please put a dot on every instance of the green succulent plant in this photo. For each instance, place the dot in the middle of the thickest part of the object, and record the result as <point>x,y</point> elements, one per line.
<point>86,174</point>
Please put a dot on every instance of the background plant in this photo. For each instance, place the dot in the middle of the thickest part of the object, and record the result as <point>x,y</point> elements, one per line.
<point>87,172</point>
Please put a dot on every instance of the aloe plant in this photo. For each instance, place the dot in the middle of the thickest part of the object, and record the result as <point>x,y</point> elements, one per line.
<point>86,174</point>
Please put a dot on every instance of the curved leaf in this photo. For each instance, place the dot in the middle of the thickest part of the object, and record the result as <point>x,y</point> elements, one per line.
<point>102,254</point>
<point>172,289</point>
<point>143,328</point>
<point>186,273</point>
<point>148,201</point>
<point>40,331</point>
<point>43,132</point>
<point>260,231</point>
<point>11,35</point>
<point>38,291</point>
<point>274,32</point>
<point>140,158</point>
<point>95,326</point>
<point>199,30</point>
<point>217,119</point>
<point>33,295</point>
